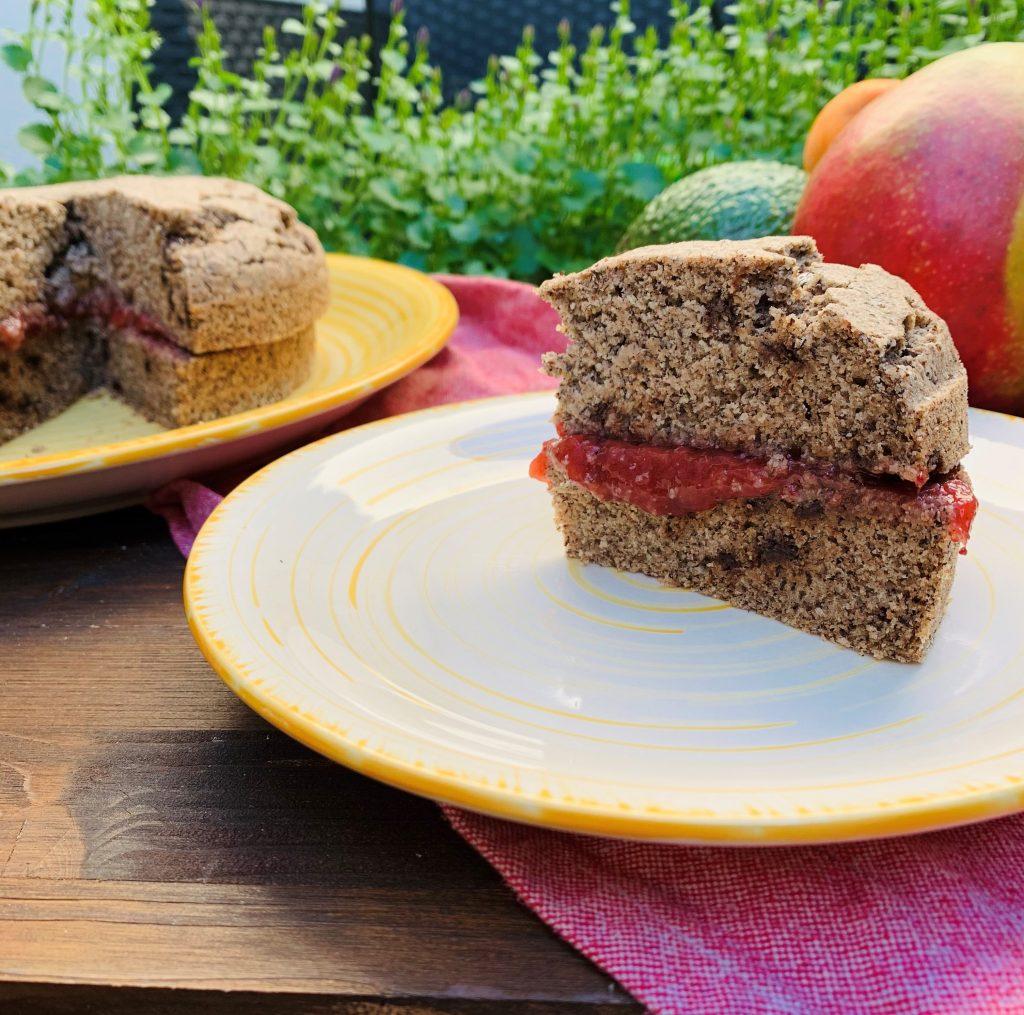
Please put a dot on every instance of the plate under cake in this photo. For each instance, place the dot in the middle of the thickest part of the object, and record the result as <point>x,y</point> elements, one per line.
<point>397,597</point>
<point>745,420</point>
<point>383,320</point>
<point>188,297</point>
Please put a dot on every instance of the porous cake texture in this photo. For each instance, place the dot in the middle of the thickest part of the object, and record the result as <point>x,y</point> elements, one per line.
<point>756,345</point>
<point>191,297</point>
<point>759,348</point>
<point>181,389</point>
<point>860,581</point>
<point>47,373</point>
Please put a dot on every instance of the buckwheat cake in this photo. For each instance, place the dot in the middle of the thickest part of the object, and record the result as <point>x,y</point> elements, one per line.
<point>188,297</point>
<point>743,419</point>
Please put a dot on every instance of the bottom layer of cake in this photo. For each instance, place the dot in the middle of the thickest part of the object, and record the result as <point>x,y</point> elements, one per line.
<point>51,370</point>
<point>876,585</point>
<point>176,388</point>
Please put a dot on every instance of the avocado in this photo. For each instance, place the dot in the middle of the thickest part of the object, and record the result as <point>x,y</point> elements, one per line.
<point>733,201</point>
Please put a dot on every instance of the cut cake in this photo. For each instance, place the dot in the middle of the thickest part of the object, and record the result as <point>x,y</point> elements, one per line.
<point>743,419</point>
<point>189,297</point>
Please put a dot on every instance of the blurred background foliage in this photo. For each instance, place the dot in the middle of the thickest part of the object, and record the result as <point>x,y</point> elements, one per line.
<point>537,167</point>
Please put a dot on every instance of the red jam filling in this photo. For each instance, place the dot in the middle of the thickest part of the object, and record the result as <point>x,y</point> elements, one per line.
<point>683,480</point>
<point>16,327</point>
<point>66,305</point>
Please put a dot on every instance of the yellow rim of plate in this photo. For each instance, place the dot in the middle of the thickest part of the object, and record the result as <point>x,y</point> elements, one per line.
<point>884,819</point>
<point>428,337</point>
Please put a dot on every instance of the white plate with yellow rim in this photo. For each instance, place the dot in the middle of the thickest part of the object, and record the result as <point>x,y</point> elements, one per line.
<point>397,598</point>
<point>383,321</point>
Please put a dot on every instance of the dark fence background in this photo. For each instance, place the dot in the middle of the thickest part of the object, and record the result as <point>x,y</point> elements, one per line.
<point>241,24</point>
<point>464,33</point>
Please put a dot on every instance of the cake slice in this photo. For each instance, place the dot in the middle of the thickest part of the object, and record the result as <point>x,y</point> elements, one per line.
<point>743,419</point>
<point>189,297</point>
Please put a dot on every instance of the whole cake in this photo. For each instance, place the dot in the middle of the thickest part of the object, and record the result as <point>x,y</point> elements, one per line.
<point>742,419</point>
<point>188,297</point>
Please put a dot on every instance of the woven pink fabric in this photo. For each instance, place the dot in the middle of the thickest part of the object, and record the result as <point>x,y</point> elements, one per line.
<point>931,924</point>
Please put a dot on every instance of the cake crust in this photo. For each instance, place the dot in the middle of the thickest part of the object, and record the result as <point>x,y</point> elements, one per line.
<point>32,232</point>
<point>757,346</point>
<point>219,263</point>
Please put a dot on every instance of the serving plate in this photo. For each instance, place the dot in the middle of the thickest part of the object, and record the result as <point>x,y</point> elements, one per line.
<point>383,321</point>
<point>396,597</point>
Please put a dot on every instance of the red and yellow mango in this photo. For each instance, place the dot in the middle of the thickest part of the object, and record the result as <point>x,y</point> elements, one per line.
<point>927,180</point>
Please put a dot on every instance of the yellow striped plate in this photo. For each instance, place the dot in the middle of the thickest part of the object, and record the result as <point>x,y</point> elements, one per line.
<point>383,321</point>
<point>397,598</point>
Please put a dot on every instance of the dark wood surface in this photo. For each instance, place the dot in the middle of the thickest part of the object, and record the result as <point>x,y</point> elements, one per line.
<point>162,849</point>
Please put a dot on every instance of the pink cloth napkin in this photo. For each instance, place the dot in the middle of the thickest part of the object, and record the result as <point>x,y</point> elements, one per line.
<point>932,924</point>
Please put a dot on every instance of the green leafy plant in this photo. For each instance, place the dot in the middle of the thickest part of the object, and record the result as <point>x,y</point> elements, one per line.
<point>537,168</point>
<point>103,115</point>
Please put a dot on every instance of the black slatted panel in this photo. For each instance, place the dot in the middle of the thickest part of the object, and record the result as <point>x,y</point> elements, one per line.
<point>241,24</point>
<point>464,33</point>
<point>170,62</point>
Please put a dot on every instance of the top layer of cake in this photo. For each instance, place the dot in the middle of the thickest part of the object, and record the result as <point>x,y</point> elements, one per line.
<point>217,263</point>
<point>759,345</point>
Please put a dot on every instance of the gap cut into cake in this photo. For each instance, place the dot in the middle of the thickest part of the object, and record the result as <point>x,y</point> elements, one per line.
<point>189,298</point>
<point>744,420</point>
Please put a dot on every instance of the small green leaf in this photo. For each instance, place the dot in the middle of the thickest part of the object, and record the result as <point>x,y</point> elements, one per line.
<point>36,138</point>
<point>52,102</point>
<point>269,158</point>
<point>525,259</point>
<point>431,159</point>
<point>588,188</point>
<point>16,57</point>
<point>184,160</point>
<point>644,180</point>
<point>157,97</point>
<point>377,140</point>
<point>589,183</point>
<point>138,144</point>
<point>322,70</point>
<point>154,118</point>
<point>38,90</point>
<point>456,204</point>
<point>419,233</point>
<point>467,231</point>
<point>386,191</point>
<point>147,159</point>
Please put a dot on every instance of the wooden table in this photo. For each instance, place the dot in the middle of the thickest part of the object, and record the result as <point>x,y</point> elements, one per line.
<point>163,849</point>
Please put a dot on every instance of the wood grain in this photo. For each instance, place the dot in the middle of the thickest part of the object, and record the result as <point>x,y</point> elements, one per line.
<point>163,849</point>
